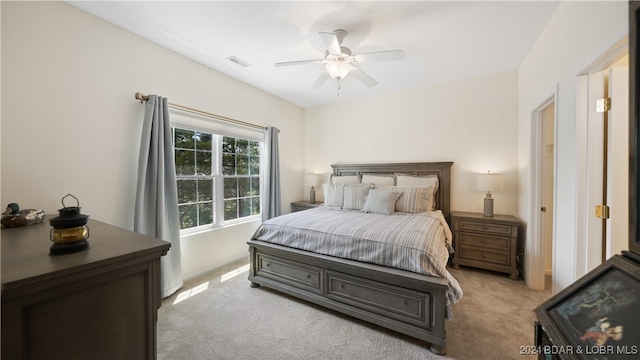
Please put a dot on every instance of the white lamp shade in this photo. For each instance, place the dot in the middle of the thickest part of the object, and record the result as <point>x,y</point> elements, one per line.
<point>312,179</point>
<point>338,69</point>
<point>489,182</point>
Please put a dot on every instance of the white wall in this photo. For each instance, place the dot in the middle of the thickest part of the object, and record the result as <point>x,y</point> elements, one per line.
<point>70,123</point>
<point>471,122</point>
<point>575,36</point>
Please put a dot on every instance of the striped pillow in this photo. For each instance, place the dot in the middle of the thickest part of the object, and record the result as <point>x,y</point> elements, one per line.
<point>354,196</point>
<point>414,199</point>
<point>333,195</point>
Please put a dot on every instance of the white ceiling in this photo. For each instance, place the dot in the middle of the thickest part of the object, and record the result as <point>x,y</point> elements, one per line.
<point>442,40</point>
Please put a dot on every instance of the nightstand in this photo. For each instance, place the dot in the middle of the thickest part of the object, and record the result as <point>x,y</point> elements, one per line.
<point>303,205</point>
<point>486,242</point>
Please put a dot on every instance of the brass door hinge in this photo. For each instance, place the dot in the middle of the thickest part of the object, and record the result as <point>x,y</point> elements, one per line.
<point>603,105</point>
<point>602,211</point>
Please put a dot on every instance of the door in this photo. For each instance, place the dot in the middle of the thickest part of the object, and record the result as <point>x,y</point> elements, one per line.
<point>617,226</point>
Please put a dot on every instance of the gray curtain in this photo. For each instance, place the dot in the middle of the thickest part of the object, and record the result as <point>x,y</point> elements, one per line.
<point>156,211</point>
<point>271,195</point>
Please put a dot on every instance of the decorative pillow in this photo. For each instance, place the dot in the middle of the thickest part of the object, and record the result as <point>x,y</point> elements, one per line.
<point>379,180</point>
<point>421,181</point>
<point>346,180</point>
<point>381,201</point>
<point>354,196</point>
<point>333,195</point>
<point>414,199</point>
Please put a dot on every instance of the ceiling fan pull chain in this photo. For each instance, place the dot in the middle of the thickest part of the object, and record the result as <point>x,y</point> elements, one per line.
<point>338,92</point>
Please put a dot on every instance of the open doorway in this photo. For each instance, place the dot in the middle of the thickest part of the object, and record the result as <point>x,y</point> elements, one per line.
<point>543,120</point>
<point>547,123</point>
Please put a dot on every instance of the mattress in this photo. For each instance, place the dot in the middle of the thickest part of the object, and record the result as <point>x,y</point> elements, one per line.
<point>416,242</point>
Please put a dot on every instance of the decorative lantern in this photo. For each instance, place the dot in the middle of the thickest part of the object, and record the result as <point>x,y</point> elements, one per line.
<point>70,232</point>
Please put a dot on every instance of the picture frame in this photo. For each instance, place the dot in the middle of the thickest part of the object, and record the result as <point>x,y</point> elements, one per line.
<point>597,316</point>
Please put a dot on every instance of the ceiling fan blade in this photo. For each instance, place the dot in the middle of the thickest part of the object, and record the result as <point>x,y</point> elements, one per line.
<point>331,40</point>
<point>320,81</point>
<point>380,56</point>
<point>299,62</point>
<point>367,80</point>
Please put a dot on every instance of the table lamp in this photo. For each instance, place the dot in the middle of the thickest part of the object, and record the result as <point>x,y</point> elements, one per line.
<point>312,180</point>
<point>488,182</point>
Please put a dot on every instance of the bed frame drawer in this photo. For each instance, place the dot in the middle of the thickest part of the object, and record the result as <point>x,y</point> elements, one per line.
<point>387,300</point>
<point>501,229</point>
<point>290,272</point>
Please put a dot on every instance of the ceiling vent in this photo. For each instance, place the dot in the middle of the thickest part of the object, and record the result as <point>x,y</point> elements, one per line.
<point>238,61</point>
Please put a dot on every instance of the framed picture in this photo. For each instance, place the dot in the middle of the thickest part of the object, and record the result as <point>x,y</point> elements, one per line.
<point>598,316</point>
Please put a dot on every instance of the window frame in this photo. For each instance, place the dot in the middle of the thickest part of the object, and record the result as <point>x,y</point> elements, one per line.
<point>218,177</point>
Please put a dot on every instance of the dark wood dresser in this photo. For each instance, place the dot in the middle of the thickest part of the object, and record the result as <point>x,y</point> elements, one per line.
<point>100,303</point>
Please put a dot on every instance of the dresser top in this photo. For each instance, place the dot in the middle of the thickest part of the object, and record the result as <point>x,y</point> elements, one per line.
<point>479,216</point>
<point>26,259</point>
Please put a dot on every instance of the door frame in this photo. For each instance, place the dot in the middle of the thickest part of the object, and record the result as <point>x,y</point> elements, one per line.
<point>583,214</point>
<point>535,267</point>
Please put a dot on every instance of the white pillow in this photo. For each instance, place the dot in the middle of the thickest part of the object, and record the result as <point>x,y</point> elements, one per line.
<point>333,195</point>
<point>379,180</point>
<point>355,195</point>
<point>346,180</point>
<point>381,201</point>
<point>421,181</point>
<point>414,199</point>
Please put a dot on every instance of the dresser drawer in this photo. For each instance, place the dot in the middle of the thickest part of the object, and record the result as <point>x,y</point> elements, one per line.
<point>293,273</point>
<point>485,227</point>
<point>484,241</point>
<point>387,300</point>
<point>470,253</point>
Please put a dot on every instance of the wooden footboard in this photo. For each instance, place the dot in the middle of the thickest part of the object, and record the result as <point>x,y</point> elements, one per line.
<point>402,301</point>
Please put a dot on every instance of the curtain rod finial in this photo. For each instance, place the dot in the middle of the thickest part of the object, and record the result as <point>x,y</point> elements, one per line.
<point>141,97</point>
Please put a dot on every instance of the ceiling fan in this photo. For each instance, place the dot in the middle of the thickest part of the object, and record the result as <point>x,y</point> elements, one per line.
<point>340,61</point>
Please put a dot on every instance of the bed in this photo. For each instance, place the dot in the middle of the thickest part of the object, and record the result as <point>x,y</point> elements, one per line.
<point>404,300</point>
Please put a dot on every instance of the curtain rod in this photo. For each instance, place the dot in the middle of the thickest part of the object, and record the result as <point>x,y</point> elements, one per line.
<point>142,98</point>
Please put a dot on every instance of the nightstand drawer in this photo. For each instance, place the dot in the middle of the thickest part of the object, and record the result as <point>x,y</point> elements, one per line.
<point>485,241</point>
<point>485,227</point>
<point>485,256</point>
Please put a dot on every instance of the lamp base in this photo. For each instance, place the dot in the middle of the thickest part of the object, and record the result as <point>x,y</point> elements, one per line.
<point>312,196</point>
<point>488,207</point>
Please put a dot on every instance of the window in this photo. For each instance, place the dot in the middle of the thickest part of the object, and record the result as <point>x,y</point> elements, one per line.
<point>218,178</point>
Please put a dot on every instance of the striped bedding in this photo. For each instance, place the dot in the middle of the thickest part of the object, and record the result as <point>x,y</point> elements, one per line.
<point>418,242</point>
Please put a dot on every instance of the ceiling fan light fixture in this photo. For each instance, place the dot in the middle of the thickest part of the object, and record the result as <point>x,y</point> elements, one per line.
<point>338,69</point>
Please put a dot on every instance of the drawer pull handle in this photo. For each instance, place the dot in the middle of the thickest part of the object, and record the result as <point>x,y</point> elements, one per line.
<point>484,227</point>
<point>308,276</point>
<point>483,255</point>
<point>404,302</point>
<point>341,286</point>
<point>268,264</point>
<point>484,240</point>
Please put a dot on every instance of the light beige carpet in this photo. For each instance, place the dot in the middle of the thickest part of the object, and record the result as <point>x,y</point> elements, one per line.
<point>214,319</point>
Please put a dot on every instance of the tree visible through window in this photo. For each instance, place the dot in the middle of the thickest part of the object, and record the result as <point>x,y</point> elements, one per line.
<point>202,161</point>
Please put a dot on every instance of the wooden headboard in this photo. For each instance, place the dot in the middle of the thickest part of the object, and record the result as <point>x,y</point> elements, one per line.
<point>441,169</point>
